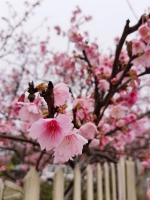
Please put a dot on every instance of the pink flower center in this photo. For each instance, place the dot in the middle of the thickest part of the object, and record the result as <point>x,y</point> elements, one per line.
<point>52,127</point>
<point>70,139</point>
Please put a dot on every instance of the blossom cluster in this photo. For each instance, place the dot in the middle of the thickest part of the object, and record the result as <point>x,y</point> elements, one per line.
<point>98,108</point>
<point>85,119</point>
<point>58,133</point>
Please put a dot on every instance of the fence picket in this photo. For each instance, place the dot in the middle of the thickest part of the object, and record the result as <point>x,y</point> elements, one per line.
<point>107,181</point>
<point>58,186</point>
<point>77,184</point>
<point>129,183</point>
<point>89,187</point>
<point>113,182</point>
<point>99,183</point>
<point>139,189</point>
<point>1,188</point>
<point>131,191</point>
<point>133,180</point>
<point>119,181</point>
<point>123,178</point>
<point>32,185</point>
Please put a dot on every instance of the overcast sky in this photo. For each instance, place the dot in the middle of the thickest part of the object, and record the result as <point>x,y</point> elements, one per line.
<point>109,17</point>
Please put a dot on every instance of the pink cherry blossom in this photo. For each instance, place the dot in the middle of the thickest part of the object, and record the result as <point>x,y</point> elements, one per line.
<point>118,111</point>
<point>118,145</point>
<point>30,112</point>
<point>137,47</point>
<point>92,52</point>
<point>71,146</point>
<point>94,143</point>
<point>61,94</point>
<point>146,57</point>
<point>103,85</point>
<point>50,132</point>
<point>84,102</point>
<point>148,23</point>
<point>103,142</point>
<point>130,117</point>
<point>88,130</point>
<point>84,107</point>
<point>130,136</point>
<point>124,56</point>
<point>146,163</point>
<point>81,45</point>
<point>73,35</point>
<point>132,97</point>
<point>144,31</point>
<point>107,71</point>
<point>120,123</point>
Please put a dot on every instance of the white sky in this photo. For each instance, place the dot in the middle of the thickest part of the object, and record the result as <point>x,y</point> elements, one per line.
<point>109,17</point>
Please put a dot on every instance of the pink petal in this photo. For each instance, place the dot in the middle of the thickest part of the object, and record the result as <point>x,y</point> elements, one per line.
<point>71,145</point>
<point>61,94</point>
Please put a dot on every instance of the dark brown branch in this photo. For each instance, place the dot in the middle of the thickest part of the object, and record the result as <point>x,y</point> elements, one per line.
<point>12,149</point>
<point>39,159</point>
<point>127,30</point>
<point>119,47</point>
<point>18,139</point>
<point>98,95</point>
<point>49,98</point>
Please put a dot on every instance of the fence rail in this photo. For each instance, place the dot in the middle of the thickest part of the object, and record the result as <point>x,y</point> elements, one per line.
<point>114,182</point>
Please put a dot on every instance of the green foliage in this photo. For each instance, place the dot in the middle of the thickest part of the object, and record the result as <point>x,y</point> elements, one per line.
<point>15,160</point>
<point>46,191</point>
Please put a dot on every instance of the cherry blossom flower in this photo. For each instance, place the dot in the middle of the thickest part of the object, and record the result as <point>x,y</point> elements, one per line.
<point>81,45</point>
<point>148,23</point>
<point>103,85</point>
<point>58,30</point>
<point>107,72</point>
<point>50,132</point>
<point>43,47</point>
<point>146,163</point>
<point>84,107</point>
<point>144,31</point>
<point>94,143</point>
<point>146,57</point>
<point>30,112</point>
<point>130,136</point>
<point>118,111</point>
<point>84,101</point>
<point>132,97</point>
<point>73,35</point>
<point>103,142</point>
<point>120,123</point>
<point>88,130</point>
<point>124,56</point>
<point>130,117</point>
<point>71,146</point>
<point>137,47</point>
<point>92,51</point>
<point>61,94</point>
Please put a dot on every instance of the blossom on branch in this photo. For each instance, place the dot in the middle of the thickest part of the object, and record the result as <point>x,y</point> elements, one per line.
<point>61,94</point>
<point>30,112</point>
<point>50,132</point>
<point>88,130</point>
<point>71,145</point>
<point>118,111</point>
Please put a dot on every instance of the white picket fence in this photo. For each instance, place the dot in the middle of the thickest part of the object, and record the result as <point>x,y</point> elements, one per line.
<point>114,182</point>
